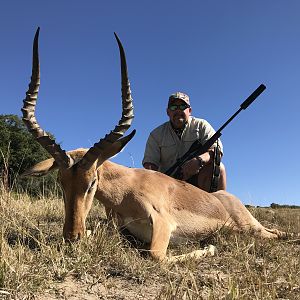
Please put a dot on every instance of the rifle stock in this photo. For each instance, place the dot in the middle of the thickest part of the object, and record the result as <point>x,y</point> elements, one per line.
<point>197,148</point>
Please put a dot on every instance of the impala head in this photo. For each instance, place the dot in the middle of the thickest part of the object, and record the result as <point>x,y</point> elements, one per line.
<point>78,169</point>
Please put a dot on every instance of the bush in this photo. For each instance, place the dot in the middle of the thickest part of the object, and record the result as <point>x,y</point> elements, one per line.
<point>19,151</point>
<point>277,206</point>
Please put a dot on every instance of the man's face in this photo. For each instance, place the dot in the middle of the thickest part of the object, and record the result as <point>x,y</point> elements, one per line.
<point>178,112</point>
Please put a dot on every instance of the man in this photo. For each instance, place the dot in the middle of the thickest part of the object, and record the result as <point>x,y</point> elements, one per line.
<point>172,139</point>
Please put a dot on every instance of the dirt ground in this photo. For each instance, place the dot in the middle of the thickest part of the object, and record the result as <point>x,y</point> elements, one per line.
<point>114,288</point>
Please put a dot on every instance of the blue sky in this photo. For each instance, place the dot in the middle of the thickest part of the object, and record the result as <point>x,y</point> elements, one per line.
<point>218,52</point>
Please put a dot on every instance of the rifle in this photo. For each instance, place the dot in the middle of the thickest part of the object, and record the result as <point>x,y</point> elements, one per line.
<point>197,148</point>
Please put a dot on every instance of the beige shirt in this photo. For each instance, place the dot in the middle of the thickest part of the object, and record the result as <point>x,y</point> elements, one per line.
<point>164,147</point>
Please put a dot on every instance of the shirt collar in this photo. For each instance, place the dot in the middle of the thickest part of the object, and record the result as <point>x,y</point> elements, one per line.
<point>180,131</point>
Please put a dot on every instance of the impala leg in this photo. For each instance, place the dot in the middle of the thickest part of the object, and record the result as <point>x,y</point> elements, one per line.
<point>161,233</point>
<point>275,234</point>
<point>160,240</point>
<point>197,254</point>
<point>243,219</point>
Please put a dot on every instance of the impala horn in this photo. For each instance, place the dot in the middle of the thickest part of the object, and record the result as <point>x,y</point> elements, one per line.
<point>60,156</point>
<point>124,123</point>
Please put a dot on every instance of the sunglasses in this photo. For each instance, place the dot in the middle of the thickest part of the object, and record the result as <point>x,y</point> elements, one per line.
<point>182,107</point>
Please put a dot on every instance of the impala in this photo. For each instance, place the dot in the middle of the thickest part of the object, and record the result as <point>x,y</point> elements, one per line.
<point>152,206</point>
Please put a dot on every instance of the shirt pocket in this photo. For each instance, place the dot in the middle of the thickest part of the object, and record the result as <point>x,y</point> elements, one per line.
<point>168,152</point>
<point>191,135</point>
<point>189,138</point>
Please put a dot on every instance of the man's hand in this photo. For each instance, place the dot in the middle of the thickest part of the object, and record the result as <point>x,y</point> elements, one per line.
<point>190,168</point>
<point>194,165</point>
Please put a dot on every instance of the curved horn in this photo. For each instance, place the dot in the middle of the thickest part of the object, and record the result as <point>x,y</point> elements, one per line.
<point>60,156</point>
<point>125,121</point>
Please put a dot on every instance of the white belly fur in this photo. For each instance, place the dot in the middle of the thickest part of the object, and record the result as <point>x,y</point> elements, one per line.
<point>141,229</point>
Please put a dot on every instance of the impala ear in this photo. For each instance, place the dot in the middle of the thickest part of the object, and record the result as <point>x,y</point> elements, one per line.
<point>42,168</point>
<point>115,148</point>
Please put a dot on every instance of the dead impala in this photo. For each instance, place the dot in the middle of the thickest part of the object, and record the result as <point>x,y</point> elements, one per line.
<point>152,206</point>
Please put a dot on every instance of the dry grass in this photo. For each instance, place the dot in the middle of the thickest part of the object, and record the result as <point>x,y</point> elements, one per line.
<point>36,264</point>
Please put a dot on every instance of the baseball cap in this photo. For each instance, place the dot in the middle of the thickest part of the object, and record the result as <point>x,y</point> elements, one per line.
<point>181,96</point>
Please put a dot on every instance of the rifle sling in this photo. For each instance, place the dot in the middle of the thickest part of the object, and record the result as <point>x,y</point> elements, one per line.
<point>216,170</point>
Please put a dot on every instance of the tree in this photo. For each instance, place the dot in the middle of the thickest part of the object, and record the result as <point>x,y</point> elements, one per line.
<point>18,151</point>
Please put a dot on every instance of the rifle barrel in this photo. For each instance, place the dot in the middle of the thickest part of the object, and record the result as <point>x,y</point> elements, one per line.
<point>244,105</point>
<point>253,96</point>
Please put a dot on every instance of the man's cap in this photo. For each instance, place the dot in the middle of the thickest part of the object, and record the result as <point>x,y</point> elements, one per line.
<point>181,96</point>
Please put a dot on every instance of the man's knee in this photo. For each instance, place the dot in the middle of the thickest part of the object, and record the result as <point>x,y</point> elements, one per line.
<point>205,177</point>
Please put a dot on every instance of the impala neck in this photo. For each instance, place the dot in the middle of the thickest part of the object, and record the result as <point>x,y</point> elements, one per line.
<point>113,183</point>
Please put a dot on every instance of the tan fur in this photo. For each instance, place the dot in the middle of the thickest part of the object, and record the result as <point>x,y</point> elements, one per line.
<point>154,207</point>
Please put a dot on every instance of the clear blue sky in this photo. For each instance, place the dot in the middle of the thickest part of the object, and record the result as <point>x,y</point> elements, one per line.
<point>218,52</point>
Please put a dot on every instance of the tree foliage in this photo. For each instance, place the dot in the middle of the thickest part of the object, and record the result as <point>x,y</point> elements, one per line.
<point>278,206</point>
<point>17,145</point>
<point>18,151</point>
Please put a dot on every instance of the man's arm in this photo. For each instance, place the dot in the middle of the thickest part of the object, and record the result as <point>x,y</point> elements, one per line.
<point>151,155</point>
